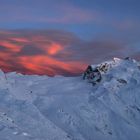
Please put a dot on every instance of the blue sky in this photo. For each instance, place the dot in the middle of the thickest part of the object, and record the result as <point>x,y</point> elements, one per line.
<point>86,18</point>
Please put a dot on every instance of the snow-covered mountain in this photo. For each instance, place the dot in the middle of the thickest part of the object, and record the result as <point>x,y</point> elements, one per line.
<point>70,108</point>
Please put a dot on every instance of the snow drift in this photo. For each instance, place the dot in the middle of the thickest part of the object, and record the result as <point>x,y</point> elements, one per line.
<point>70,108</point>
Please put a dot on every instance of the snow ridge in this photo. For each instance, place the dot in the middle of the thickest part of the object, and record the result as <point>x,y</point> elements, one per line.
<point>69,108</point>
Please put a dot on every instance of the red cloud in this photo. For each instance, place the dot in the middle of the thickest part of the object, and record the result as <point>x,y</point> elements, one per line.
<point>33,54</point>
<point>54,48</point>
<point>51,52</point>
<point>49,66</point>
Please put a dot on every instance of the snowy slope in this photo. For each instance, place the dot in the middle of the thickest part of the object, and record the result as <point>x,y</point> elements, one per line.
<point>69,108</point>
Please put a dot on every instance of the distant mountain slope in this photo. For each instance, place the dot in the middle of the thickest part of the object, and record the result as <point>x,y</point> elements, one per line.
<point>69,108</point>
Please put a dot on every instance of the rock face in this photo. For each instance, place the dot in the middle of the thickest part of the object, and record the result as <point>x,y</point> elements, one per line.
<point>69,108</point>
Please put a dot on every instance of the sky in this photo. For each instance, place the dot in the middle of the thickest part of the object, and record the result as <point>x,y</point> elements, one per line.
<point>62,37</point>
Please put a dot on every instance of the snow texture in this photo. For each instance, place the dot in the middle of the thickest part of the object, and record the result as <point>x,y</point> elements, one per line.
<point>69,108</point>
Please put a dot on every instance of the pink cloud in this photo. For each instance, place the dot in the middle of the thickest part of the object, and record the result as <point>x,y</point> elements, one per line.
<point>51,52</point>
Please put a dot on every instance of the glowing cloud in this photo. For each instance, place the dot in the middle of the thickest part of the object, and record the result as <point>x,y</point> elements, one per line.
<point>49,52</point>
<point>33,54</point>
<point>54,49</point>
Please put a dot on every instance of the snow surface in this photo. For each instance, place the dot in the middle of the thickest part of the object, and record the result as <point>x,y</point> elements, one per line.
<point>69,108</point>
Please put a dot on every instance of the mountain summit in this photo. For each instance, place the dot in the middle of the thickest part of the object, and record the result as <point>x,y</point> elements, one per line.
<point>70,108</point>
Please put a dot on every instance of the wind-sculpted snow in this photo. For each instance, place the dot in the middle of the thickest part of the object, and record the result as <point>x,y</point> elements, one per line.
<point>69,108</point>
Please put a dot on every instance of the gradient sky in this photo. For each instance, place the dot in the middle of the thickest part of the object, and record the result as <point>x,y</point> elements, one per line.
<point>64,36</point>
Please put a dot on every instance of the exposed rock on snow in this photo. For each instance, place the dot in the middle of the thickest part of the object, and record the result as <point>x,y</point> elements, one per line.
<point>69,108</point>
